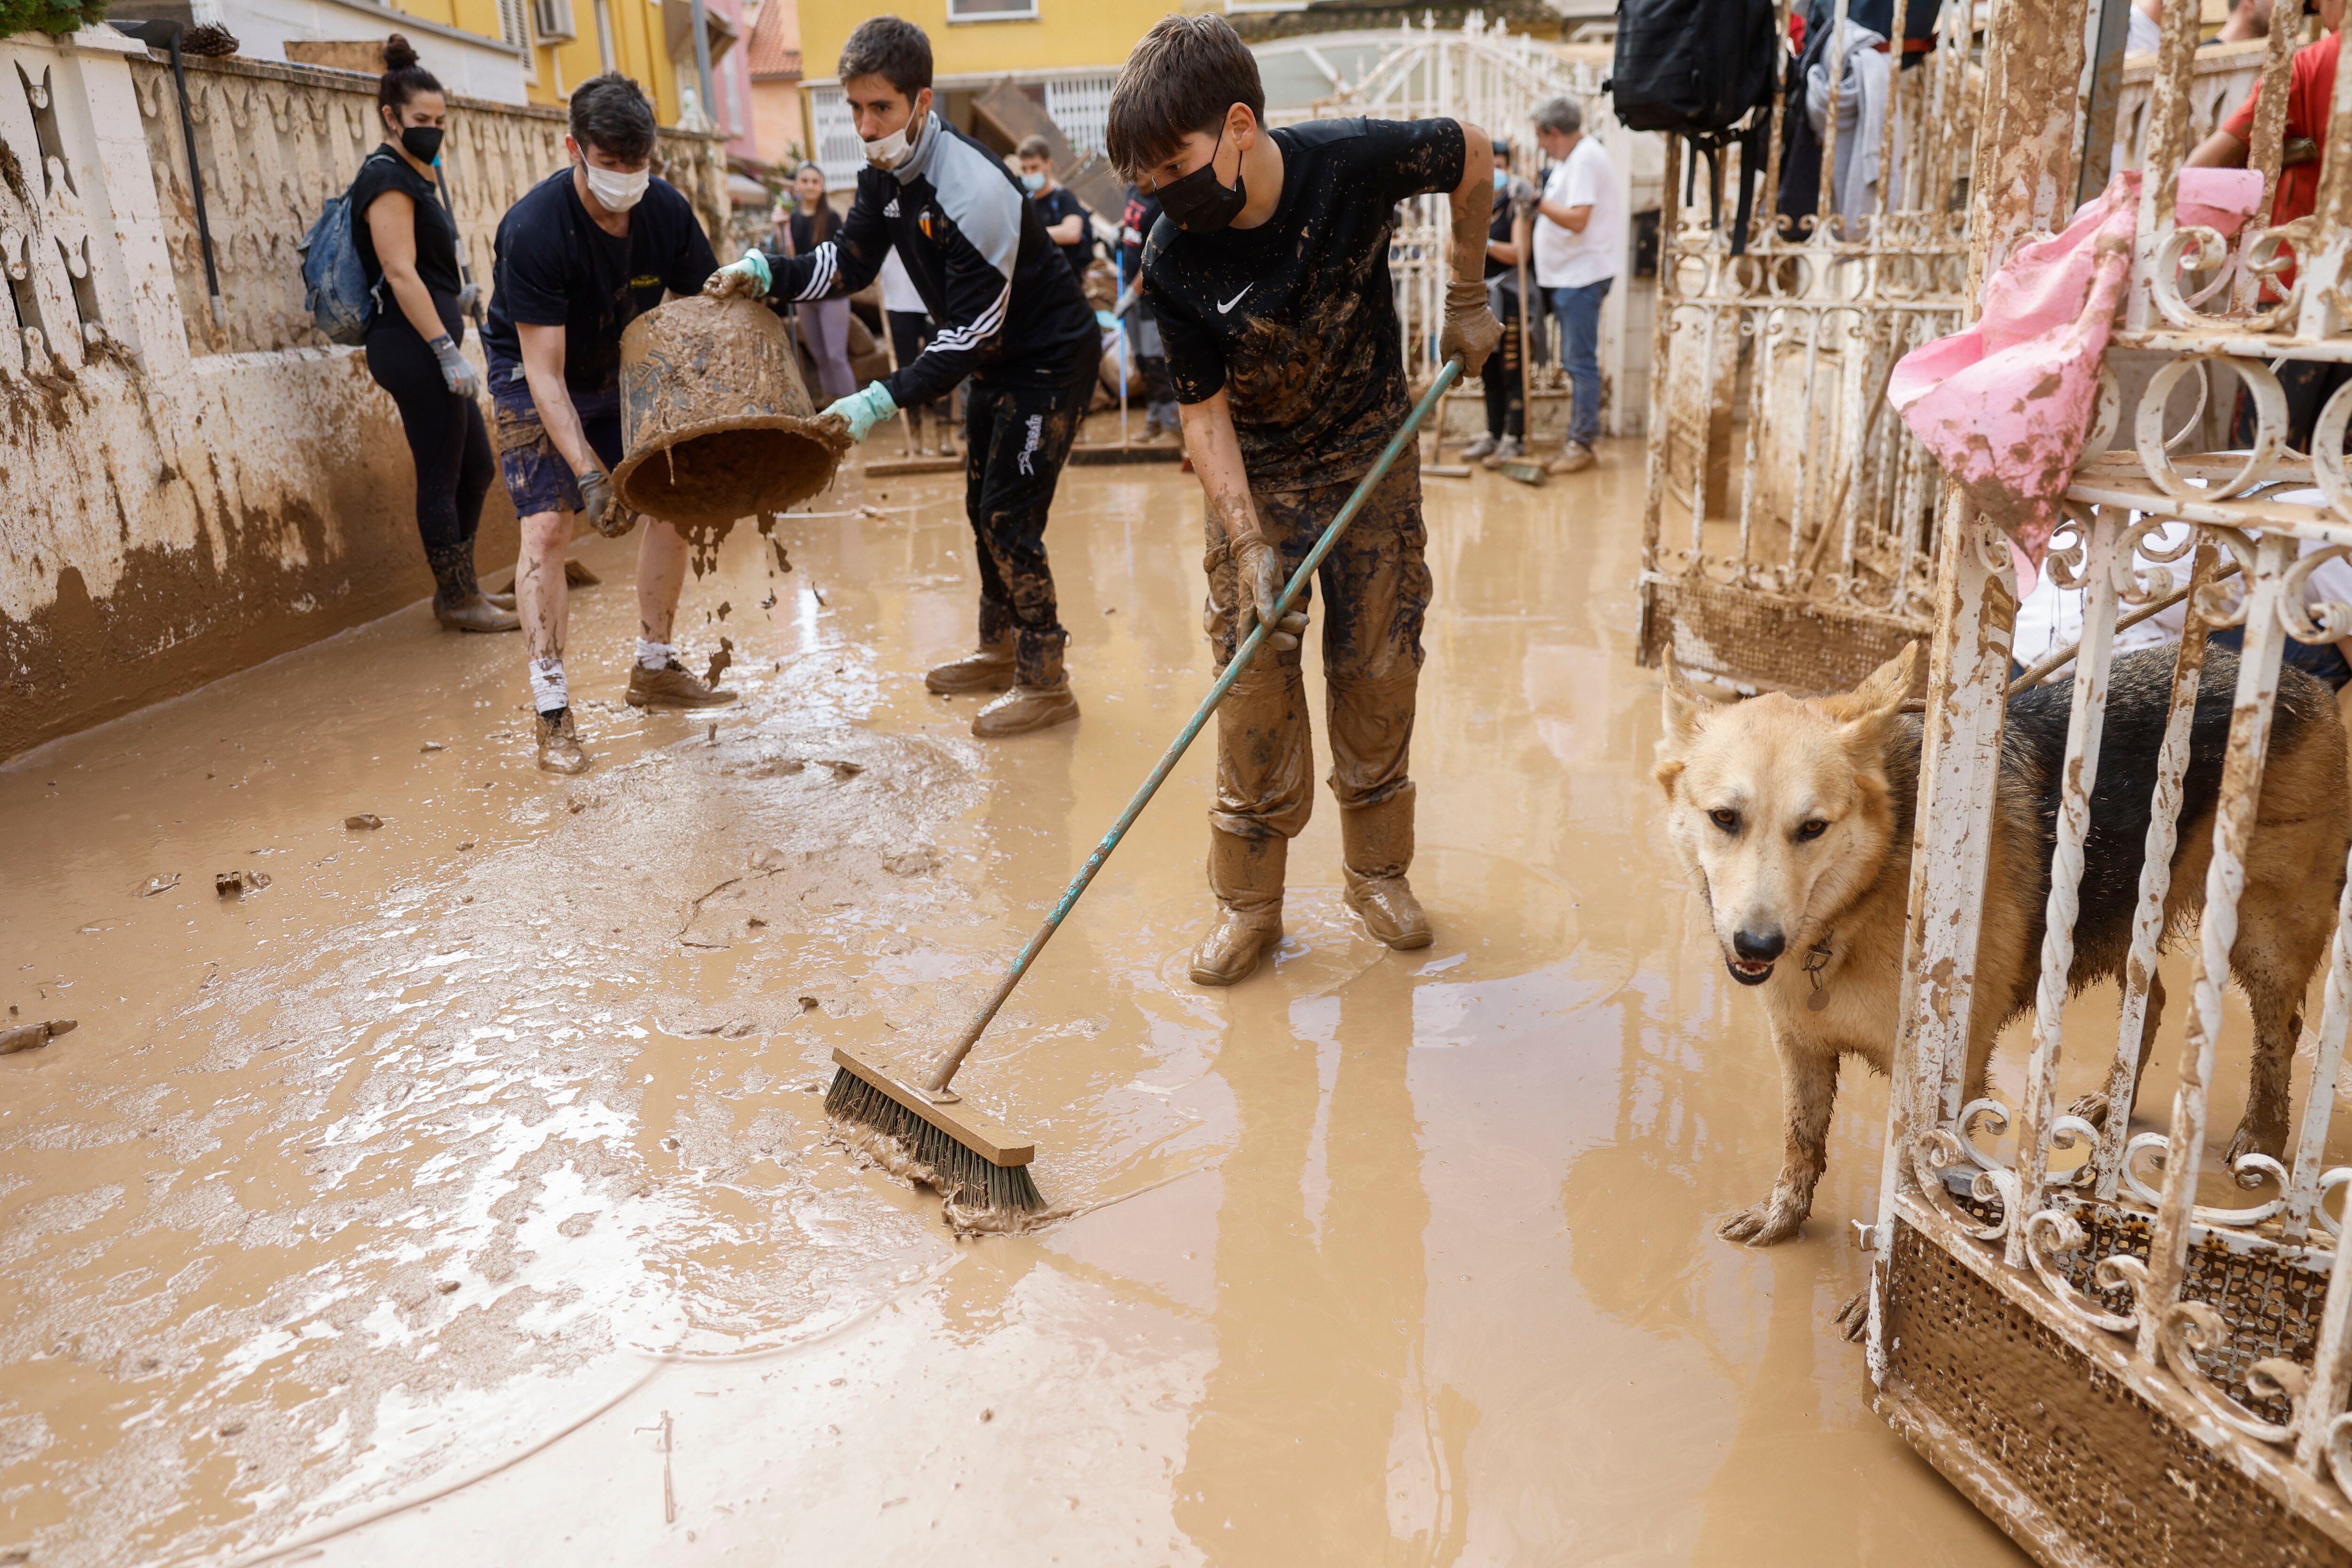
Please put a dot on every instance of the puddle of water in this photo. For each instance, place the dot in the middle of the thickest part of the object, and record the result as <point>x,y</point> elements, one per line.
<point>498,1125</point>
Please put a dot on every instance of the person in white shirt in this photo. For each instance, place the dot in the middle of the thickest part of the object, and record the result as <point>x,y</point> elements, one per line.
<point>1579,243</point>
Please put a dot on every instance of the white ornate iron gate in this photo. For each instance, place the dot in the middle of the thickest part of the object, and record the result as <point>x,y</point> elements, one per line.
<point>1797,552</point>
<point>2097,1335</point>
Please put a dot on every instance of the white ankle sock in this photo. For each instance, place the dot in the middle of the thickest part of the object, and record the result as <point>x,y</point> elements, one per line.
<point>547,689</point>
<point>654,655</point>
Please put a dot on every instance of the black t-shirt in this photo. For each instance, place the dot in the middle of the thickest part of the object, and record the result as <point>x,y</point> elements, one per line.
<point>557,268</point>
<point>436,235</point>
<point>1054,206</point>
<point>1499,232</point>
<point>1296,318</point>
<point>1141,212</point>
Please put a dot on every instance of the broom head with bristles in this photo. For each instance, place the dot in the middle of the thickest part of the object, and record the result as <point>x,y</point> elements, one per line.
<point>981,1168</point>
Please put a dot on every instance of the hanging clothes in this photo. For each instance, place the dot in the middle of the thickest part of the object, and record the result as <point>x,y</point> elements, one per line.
<point>1861,108</point>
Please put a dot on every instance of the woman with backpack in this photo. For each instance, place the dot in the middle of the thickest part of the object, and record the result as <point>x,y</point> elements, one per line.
<point>407,244</point>
<point>824,323</point>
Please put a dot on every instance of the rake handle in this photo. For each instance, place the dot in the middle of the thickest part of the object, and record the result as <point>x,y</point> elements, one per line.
<point>944,1072</point>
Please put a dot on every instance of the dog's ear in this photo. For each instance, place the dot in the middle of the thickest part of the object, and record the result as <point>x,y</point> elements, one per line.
<point>1868,712</point>
<point>1683,712</point>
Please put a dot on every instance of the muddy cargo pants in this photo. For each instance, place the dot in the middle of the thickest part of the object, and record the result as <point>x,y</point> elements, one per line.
<point>1375,589</point>
<point>1015,441</point>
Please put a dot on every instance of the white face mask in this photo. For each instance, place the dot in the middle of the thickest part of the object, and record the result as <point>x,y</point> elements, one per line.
<point>614,191</point>
<point>889,152</point>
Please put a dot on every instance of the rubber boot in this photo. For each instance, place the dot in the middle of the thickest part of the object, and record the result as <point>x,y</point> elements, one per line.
<point>1376,848</point>
<point>457,602</point>
<point>989,669</point>
<point>1040,696</point>
<point>1245,874</point>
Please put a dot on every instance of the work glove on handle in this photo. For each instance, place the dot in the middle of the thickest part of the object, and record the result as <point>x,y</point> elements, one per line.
<point>600,506</point>
<point>746,279</point>
<point>1522,191</point>
<point>862,410</point>
<point>1258,570</point>
<point>1470,329</point>
<point>457,371</point>
<point>469,300</point>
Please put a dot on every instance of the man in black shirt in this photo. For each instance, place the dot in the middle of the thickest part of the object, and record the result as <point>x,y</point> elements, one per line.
<point>582,254</point>
<point>1273,297</point>
<point>1067,223</point>
<point>1005,312</point>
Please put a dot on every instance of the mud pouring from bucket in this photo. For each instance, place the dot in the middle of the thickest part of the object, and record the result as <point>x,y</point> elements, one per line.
<point>715,421</point>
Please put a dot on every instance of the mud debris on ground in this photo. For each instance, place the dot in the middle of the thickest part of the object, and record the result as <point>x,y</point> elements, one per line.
<point>484,1150</point>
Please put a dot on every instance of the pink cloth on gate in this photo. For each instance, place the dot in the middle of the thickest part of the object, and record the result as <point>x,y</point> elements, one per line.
<point>2006,405</point>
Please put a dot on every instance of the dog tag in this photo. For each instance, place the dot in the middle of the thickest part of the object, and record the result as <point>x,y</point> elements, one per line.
<point>1819,1001</point>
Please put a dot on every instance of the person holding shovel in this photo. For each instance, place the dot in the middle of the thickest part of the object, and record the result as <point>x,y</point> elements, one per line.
<point>1006,311</point>
<point>1268,274</point>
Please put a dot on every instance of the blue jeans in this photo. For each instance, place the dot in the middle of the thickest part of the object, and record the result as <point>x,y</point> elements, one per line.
<point>1579,309</point>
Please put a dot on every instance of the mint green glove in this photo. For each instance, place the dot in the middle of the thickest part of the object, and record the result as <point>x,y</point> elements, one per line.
<point>747,278</point>
<point>864,410</point>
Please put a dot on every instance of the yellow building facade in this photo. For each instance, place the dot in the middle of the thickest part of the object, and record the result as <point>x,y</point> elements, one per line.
<point>628,35</point>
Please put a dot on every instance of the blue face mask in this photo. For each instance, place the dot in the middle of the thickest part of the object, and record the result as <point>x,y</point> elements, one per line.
<point>1502,178</point>
<point>1033,183</point>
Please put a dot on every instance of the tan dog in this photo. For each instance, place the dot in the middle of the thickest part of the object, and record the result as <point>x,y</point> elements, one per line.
<point>1793,819</point>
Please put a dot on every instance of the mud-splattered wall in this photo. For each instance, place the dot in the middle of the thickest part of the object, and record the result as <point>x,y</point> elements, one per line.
<point>186,490</point>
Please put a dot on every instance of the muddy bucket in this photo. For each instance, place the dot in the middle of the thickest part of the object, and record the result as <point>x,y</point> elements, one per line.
<point>715,422</point>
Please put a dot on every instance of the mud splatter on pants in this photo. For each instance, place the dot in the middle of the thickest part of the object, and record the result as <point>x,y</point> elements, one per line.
<point>1016,440</point>
<point>1375,588</point>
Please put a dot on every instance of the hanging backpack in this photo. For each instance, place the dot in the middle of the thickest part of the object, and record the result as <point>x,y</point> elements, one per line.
<point>334,284</point>
<point>1694,68</point>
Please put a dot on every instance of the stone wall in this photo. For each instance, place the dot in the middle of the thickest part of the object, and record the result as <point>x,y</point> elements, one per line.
<point>185,491</point>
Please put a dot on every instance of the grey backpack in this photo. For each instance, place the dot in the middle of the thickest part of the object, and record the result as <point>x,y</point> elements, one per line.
<point>335,286</point>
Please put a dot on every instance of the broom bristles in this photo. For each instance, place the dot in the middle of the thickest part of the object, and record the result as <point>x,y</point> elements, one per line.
<point>974,1185</point>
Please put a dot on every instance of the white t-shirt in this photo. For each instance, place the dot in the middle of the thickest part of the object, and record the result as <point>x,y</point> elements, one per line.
<point>1570,260</point>
<point>898,290</point>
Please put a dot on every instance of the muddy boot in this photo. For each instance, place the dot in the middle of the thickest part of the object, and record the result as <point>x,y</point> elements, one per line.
<point>671,686</point>
<point>457,601</point>
<point>990,670</point>
<point>1246,875</point>
<point>559,744</point>
<point>1375,846</point>
<point>1040,696</point>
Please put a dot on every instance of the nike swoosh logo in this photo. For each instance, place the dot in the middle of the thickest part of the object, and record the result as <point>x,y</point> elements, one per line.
<point>1236,299</point>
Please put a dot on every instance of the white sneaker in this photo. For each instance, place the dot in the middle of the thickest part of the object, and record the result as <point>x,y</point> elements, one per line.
<point>1508,448</point>
<point>1476,449</point>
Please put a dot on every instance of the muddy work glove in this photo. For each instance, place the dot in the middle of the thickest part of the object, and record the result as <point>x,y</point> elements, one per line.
<point>1259,573</point>
<point>457,371</point>
<point>1470,329</point>
<point>745,280</point>
<point>597,505</point>
<point>469,300</point>
<point>1522,191</point>
<point>864,410</point>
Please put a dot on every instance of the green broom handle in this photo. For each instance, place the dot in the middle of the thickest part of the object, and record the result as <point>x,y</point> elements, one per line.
<point>945,1071</point>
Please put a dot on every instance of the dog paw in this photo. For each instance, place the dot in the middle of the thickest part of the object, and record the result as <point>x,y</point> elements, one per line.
<point>2266,1137</point>
<point>1761,1225</point>
<point>1852,1320</point>
<point>2091,1107</point>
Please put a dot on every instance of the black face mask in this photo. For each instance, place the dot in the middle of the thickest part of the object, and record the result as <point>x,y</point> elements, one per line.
<point>1197,203</point>
<point>422,142</point>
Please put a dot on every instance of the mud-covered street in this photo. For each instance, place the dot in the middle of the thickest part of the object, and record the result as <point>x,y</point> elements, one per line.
<point>464,1192</point>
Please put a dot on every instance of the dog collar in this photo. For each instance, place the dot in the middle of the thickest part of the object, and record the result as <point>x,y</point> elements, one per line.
<point>1817,960</point>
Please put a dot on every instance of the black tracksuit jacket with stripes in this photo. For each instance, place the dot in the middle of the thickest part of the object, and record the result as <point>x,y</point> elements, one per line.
<point>1005,308</point>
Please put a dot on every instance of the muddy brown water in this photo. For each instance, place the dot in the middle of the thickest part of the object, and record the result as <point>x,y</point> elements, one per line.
<point>474,1164</point>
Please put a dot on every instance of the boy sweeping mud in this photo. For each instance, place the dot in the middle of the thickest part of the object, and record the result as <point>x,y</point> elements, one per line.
<point>1268,274</point>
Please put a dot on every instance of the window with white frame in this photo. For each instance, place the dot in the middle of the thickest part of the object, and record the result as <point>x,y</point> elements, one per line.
<point>992,10</point>
<point>1078,106</point>
<point>838,152</point>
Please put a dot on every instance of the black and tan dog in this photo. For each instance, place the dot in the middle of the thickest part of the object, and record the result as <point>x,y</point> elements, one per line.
<point>1794,820</point>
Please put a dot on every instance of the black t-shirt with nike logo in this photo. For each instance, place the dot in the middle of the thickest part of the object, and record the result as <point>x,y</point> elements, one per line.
<point>1296,318</point>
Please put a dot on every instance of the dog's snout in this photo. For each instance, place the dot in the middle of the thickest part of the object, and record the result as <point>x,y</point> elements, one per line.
<point>1758,947</point>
